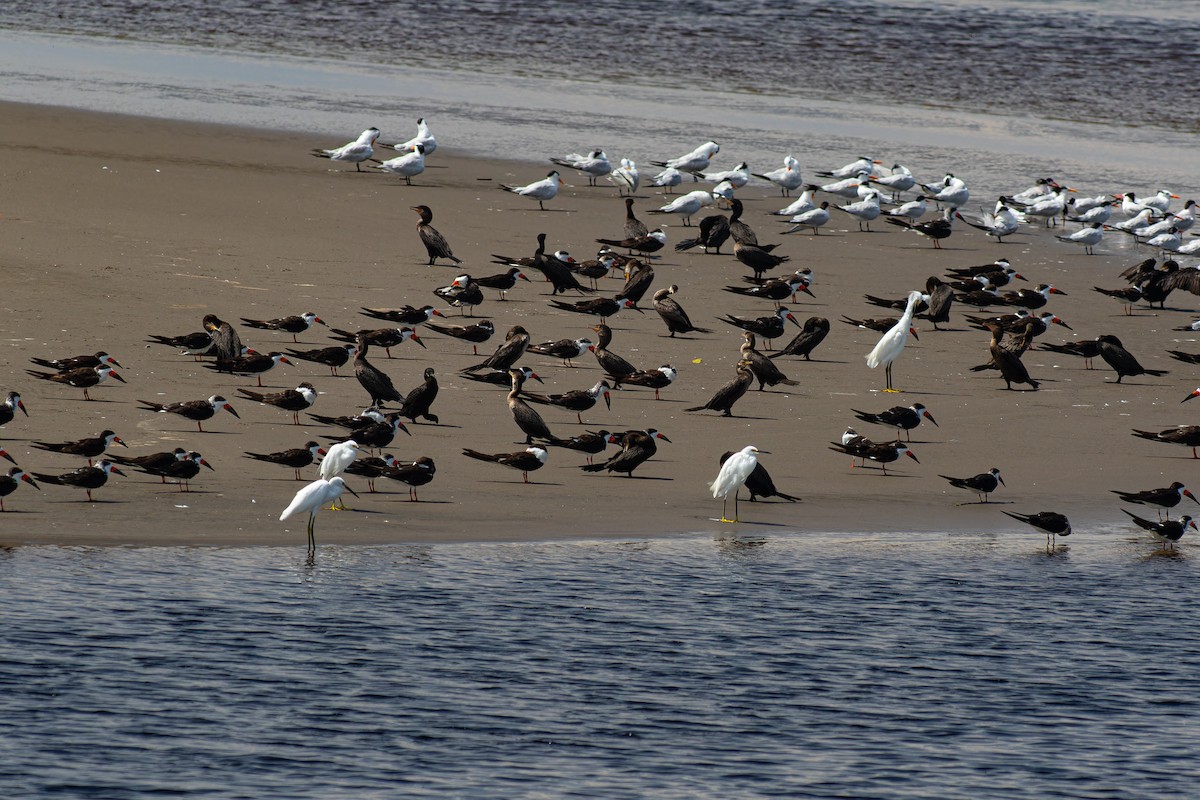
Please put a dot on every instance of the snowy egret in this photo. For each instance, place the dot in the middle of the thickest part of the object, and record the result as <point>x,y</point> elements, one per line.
<point>340,456</point>
<point>311,498</point>
<point>891,344</point>
<point>733,474</point>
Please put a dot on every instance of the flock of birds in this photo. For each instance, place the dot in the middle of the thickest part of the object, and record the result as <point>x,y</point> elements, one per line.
<point>864,184</point>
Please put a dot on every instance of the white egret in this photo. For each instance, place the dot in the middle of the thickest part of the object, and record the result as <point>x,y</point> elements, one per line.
<point>891,344</point>
<point>311,498</point>
<point>340,456</point>
<point>733,474</point>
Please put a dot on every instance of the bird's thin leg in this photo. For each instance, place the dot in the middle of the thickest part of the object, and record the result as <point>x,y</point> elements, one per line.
<point>312,541</point>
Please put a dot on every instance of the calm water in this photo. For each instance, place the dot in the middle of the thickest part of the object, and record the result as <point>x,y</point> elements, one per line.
<point>852,667</point>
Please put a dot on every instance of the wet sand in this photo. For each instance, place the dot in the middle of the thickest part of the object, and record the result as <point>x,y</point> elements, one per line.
<point>117,227</point>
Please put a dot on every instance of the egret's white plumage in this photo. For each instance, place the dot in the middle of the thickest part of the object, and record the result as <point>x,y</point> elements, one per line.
<point>340,456</point>
<point>733,474</point>
<point>311,497</point>
<point>891,344</point>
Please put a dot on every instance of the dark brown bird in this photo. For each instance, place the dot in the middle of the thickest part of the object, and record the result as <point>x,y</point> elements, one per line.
<point>195,410</point>
<point>590,443</point>
<point>332,357</point>
<point>476,334</point>
<point>764,369</point>
<point>503,281</point>
<point>1087,349</point>
<point>256,364</point>
<point>616,366</point>
<point>1121,360</point>
<point>676,319</point>
<point>83,378</point>
<point>529,421</point>
<point>295,324</point>
<point>225,339</point>
<point>89,448</point>
<point>387,338</point>
<point>296,458</point>
<point>435,244</point>
<point>639,280</point>
<point>80,362</point>
<point>730,393</point>
<point>87,478</point>
<point>1186,435</point>
<point>516,342</point>
<point>293,400</point>
<point>759,483</point>
<point>812,333</point>
<point>656,379</point>
<point>417,402</point>
<point>557,272</point>
<point>637,447</point>
<point>414,475</point>
<point>713,232</point>
<point>740,232</point>
<point>634,227</point>
<point>756,258</point>
<point>152,462</point>
<point>405,315</point>
<point>941,298</point>
<point>526,461</point>
<point>1009,363</point>
<point>378,385</point>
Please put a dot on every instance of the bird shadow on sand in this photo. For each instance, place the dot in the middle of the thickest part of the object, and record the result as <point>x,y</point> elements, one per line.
<point>521,483</point>
<point>987,503</point>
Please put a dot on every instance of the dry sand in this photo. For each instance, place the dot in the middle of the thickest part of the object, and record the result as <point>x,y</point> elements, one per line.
<point>114,227</point>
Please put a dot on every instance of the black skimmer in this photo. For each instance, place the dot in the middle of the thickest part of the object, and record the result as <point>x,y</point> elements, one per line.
<point>999,273</point>
<point>1168,532</point>
<point>934,229</point>
<point>529,262</point>
<point>463,293</point>
<point>882,454</point>
<point>418,401</point>
<point>371,468</point>
<point>1087,349</point>
<point>387,338</point>
<point>636,448</point>
<point>332,357</point>
<point>877,324</point>
<point>897,305</point>
<point>297,458</point>
<point>435,244</point>
<point>193,344</point>
<point>652,242</point>
<point>256,364</point>
<point>616,366</point>
<point>501,377</point>
<point>730,393</point>
<point>595,268</point>
<point>603,307</point>
<point>354,152</point>
<point>555,268</point>
<point>812,333</point>
<point>87,478</point>
<point>980,298</point>
<point>566,349</point>
<point>590,443</point>
<point>195,410</point>
<point>1121,360</point>
<point>526,461</point>
<point>378,385</point>
<point>769,328</point>
<point>759,483</point>
<point>1186,435</point>
<point>1187,358</point>
<point>899,417</point>
<point>89,448</point>
<point>1007,361</point>
<point>982,484</point>
<point>293,400</point>
<point>577,400</point>
<point>77,362</point>
<point>1031,298</point>
<point>764,369</point>
<point>153,463</point>
<point>757,259</point>
<point>516,342</point>
<point>369,416</point>
<point>476,334</point>
<point>4,454</point>
<point>376,436</point>
<point>295,324</point>
<point>406,315</point>
<point>1051,523</point>
<point>656,379</point>
<point>414,475</point>
<point>529,421</point>
<point>8,409</point>
<point>676,319</point>
<point>776,290</point>
<point>84,378</point>
<point>185,469</point>
<point>503,281</point>
<point>226,342</point>
<point>1167,497</point>
<point>9,483</point>
<point>713,232</point>
<point>639,276</point>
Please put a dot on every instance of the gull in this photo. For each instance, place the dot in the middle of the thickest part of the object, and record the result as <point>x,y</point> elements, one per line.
<point>407,165</point>
<point>891,344</point>
<point>787,177</point>
<point>1088,237</point>
<point>545,189</point>
<point>695,161</point>
<point>423,138</point>
<point>355,152</point>
<point>687,205</point>
<point>733,475</point>
<point>668,178</point>
<point>310,498</point>
<point>595,164</point>
<point>626,176</point>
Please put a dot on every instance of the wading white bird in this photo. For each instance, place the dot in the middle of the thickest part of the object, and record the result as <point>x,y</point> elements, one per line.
<point>733,474</point>
<point>545,189</point>
<point>424,138</point>
<point>355,152</point>
<point>406,166</point>
<point>891,344</point>
<point>311,498</point>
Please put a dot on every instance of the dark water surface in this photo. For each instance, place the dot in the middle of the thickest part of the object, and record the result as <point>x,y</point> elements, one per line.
<point>807,666</point>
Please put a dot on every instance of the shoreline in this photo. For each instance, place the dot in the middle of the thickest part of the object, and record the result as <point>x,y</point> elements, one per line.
<point>152,223</point>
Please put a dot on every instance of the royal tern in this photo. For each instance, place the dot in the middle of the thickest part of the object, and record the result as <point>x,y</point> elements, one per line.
<point>787,177</point>
<point>424,138</point>
<point>999,224</point>
<point>595,164</point>
<point>813,218</point>
<point>864,210</point>
<point>355,152</point>
<point>543,190</point>
<point>801,204</point>
<point>668,179</point>
<point>1088,237</point>
<point>695,161</point>
<point>686,205</point>
<point>847,187</point>
<point>406,166</point>
<point>626,177</point>
<point>863,164</point>
<point>737,177</point>
<point>951,191</point>
<point>912,211</point>
<point>899,180</point>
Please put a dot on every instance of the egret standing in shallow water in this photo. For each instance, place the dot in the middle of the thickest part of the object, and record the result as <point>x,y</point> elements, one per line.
<point>891,344</point>
<point>733,474</point>
<point>311,498</point>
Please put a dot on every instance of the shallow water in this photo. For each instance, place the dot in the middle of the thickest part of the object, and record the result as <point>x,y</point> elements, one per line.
<point>894,666</point>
